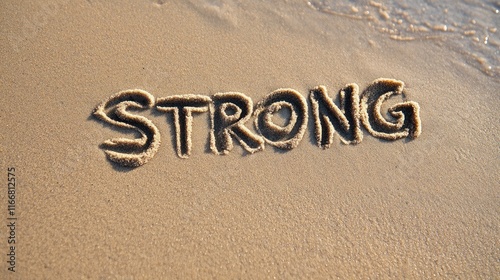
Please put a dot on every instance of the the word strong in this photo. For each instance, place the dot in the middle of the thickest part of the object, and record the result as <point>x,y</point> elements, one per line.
<point>230,113</point>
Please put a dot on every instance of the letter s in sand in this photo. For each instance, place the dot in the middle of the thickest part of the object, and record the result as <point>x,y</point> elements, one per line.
<point>114,111</point>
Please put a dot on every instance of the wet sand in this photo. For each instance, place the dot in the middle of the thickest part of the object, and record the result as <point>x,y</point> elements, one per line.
<point>409,208</point>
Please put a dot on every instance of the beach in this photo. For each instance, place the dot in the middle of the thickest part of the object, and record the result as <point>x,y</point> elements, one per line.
<point>419,208</point>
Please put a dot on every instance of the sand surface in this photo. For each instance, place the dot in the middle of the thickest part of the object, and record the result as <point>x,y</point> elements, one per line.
<point>422,208</point>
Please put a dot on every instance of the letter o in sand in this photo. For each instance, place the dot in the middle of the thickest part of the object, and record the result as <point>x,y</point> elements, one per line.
<point>283,137</point>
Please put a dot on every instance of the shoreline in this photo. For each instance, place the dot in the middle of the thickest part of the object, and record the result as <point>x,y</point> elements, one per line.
<point>389,209</point>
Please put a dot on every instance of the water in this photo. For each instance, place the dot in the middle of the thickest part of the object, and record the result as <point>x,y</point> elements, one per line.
<point>469,27</point>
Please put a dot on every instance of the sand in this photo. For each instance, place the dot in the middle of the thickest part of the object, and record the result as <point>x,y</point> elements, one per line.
<point>424,205</point>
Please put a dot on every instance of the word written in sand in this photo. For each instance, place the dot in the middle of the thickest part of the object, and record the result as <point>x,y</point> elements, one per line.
<point>231,111</point>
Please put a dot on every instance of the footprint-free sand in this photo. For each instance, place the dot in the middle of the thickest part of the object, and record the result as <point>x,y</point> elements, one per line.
<point>319,207</point>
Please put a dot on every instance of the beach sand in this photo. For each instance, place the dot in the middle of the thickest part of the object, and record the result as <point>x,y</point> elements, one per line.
<point>423,208</point>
